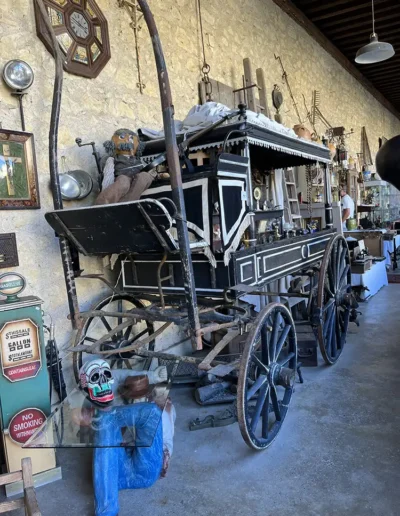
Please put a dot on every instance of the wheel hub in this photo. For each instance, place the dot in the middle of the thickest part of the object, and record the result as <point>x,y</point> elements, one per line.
<point>280,375</point>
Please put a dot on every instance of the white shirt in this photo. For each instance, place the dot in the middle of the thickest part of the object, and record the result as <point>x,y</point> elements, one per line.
<point>347,202</point>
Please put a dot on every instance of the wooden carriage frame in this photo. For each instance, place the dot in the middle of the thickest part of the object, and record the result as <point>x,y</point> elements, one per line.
<point>266,371</point>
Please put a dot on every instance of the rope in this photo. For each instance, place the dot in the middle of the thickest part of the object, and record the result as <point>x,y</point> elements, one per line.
<point>205,70</point>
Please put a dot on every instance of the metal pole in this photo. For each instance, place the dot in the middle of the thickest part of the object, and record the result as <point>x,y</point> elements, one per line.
<point>21,110</point>
<point>53,164</point>
<point>249,191</point>
<point>176,177</point>
<point>328,197</point>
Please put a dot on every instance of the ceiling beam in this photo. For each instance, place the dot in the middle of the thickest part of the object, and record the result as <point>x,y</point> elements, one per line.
<point>300,18</point>
<point>390,72</point>
<point>364,36</point>
<point>393,62</point>
<point>339,12</point>
<point>325,6</point>
<point>365,31</point>
<point>367,24</point>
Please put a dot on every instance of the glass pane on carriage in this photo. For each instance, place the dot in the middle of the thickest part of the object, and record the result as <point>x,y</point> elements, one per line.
<point>79,423</point>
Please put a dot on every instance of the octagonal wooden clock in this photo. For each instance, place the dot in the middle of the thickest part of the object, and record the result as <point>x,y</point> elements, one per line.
<point>82,32</point>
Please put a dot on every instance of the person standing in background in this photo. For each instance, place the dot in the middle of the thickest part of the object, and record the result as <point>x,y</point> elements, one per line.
<point>347,207</point>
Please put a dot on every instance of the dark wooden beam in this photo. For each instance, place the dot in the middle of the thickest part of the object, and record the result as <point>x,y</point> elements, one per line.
<point>364,36</point>
<point>367,31</point>
<point>383,65</point>
<point>299,17</point>
<point>387,72</point>
<point>326,6</point>
<point>367,24</point>
<point>347,10</point>
<point>345,31</point>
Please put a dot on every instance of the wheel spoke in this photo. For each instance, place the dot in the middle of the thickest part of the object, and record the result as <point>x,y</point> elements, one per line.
<point>128,332</point>
<point>338,264</point>
<point>332,335</point>
<point>259,406</point>
<point>119,318</point>
<point>274,337</point>
<point>275,404</point>
<point>328,304</point>
<point>331,279</point>
<point>105,322</point>
<point>328,321</point>
<point>265,417</point>
<point>137,336</point>
<point>338,331</point>
<point>333,266</point>
<point>328,334</point>
<point>256,386</point>
<point>328,290</point>
<point>259,363</point>
<point>287,359</point>
<point>90,339</point>
<point>282,340</point>
<point>343,277</point>
<point>265,357</point>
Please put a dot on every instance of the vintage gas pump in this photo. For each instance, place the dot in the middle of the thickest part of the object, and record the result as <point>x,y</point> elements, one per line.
<point>24,380</point>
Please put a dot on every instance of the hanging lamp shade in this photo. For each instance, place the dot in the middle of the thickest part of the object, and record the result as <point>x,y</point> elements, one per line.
<point>375,52</point>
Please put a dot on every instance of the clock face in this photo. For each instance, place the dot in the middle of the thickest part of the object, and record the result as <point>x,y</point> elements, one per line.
<point>82,32</point>
<point>79,25</point>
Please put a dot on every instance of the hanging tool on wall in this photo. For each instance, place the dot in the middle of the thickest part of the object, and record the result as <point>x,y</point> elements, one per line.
<point>135,14</point>
<point>310,117</point>
<point>286,80</point>
<point>205,69</point>
<point>365,150</point>
<point>315,111</point>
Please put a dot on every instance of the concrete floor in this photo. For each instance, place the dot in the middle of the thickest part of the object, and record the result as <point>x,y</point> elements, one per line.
<point>337,454</point>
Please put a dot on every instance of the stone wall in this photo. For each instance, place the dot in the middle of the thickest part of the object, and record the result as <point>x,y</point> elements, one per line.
<point>93,109</point>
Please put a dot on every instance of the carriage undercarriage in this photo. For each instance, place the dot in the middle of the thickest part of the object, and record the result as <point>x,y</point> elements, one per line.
<point>265,372</point>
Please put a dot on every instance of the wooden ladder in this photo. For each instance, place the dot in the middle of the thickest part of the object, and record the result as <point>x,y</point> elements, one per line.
<point>291,202</point>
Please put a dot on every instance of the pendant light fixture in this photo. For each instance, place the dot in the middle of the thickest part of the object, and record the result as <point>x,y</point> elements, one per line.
<point>376,51</point>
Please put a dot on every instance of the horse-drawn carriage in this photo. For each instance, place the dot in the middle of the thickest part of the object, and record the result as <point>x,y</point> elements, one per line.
<point>195,251</point>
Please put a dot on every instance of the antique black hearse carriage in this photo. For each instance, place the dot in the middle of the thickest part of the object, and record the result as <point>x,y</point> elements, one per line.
<point>195,247</point>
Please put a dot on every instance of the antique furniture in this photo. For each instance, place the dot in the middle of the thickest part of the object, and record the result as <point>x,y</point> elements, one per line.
<point>192,254</point>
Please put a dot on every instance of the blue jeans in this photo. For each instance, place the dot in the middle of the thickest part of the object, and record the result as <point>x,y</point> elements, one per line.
<point>126,468</point>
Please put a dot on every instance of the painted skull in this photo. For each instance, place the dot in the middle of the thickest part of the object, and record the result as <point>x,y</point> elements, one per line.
<point>95,378</point>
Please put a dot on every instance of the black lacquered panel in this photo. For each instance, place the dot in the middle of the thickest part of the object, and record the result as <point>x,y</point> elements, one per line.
<point>265,263</point>
<point>140,274</point>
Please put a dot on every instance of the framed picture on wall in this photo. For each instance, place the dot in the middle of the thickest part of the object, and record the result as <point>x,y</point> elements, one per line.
<point>18,174</point>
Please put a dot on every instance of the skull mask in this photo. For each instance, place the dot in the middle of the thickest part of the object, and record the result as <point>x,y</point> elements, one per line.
<point>95,378</point>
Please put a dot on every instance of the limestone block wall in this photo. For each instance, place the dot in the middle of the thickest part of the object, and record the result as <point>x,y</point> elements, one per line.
<point>93,109</point>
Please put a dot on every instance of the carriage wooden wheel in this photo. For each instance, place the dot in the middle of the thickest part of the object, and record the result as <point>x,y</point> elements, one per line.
<point>333,299</point>
<point>267,375</point>
<point>95,327</point>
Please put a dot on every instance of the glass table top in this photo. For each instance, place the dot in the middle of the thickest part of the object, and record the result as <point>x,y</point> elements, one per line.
<point>79,423</point>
